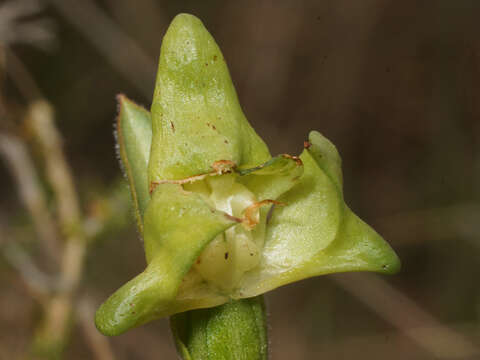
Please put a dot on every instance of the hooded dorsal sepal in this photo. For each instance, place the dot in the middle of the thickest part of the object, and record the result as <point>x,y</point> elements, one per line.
<point>197,119</point>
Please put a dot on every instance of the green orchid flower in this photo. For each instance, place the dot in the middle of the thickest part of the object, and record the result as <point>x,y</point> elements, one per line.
<point>220,217</point>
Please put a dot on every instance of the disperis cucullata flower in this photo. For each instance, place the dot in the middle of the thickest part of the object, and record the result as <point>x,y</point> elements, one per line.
<point>221,218</point>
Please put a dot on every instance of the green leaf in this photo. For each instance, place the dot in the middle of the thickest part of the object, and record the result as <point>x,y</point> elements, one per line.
<point>197,119</point>
<point>134,136</point>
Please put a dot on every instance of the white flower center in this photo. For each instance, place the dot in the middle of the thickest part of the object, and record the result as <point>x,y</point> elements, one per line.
<point>237,250</point>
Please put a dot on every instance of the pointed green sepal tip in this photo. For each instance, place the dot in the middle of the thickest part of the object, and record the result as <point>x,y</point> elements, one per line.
<point>138,301</point>
<point>197,119</point>
<point>359,246</point>
<point>366,249</point>
<point>134,136</point>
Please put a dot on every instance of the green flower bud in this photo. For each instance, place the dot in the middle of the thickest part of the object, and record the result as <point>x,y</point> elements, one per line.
<point>221,219</point>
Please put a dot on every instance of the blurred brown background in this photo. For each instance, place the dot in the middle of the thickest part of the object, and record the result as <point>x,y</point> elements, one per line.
<point>394,84</point>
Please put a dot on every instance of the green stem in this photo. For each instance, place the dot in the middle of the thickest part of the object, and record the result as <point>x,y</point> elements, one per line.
<point>236,330</point>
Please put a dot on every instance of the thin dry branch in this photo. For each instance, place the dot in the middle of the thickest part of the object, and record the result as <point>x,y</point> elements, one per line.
<point>37,283</point>
<point>407,316</point>
<point>119,49</point>
<point>442,223</point>
<point>40,119</point>
<point>57,298</point>
<point>23,171</point>
<point>21,77</point>
<point>59,310</point>
<point>98,343</point>
<point>20,23</point>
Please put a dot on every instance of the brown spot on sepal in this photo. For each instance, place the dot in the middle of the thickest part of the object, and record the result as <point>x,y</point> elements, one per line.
<point>212,126</point>
<point>226,255</point>
<point>172,125</point>
<point>307,144</point>
<point>152,186</point>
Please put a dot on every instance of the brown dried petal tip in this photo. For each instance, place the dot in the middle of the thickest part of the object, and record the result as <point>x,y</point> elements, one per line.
<point>219,167</point>
<point>249,220</point>
<point>223,166</point>
<point>295,158</point>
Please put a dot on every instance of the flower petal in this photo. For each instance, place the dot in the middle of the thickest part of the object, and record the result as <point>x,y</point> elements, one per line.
<point>316,233</point>
<point>273,178</point>
<point>326,156</point>
<point>177,226</point>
